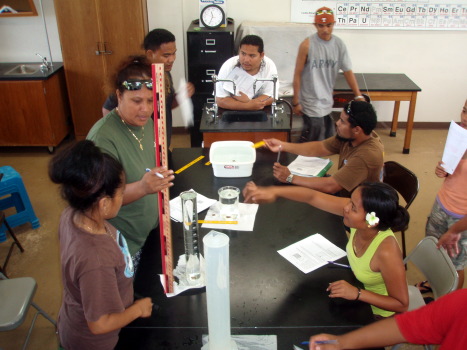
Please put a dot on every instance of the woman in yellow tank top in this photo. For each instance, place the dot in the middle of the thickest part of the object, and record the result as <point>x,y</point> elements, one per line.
<point>373,213</point>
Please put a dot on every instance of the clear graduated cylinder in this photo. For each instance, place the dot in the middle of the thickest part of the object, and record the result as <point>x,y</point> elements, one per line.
<point>190,236</point>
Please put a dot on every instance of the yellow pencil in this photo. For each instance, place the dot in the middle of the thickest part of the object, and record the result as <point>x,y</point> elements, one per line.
<point>217,222</point>
<point>259,144</point>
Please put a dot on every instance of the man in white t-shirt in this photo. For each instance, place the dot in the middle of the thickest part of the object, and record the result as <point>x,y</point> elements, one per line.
<point>244,70</point>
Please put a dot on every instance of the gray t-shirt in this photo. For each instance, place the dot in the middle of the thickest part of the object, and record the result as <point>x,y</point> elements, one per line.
<point>325,59</point>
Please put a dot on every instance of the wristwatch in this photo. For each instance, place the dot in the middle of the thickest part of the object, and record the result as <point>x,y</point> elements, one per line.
<point>289,178</point>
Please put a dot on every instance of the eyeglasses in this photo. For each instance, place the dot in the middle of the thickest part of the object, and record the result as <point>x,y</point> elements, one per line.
<point>352,119</point>
<point>324,12</point>
<point>133,85</point>
<point>348,110</point>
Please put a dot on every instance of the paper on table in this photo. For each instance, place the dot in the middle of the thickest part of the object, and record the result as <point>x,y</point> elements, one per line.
<point>311,253</point>
<point>310,166</point>
<point>202,203</point>
<point>246,219</point>
<point>179,272</point>
<point>456,145</point>
<point>248,342</point>
<point>185,104</point>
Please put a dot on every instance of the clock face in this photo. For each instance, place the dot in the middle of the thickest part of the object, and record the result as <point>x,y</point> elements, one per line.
<point>212,16</point>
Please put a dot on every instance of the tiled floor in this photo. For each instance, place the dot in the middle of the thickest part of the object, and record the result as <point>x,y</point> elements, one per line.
<point>41,257</point>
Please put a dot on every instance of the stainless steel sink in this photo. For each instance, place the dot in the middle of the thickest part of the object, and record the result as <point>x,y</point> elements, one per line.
<point>24,69</point>
<point>244,116</point>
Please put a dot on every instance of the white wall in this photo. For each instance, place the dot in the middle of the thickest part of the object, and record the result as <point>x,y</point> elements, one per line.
<point>22,37</point>
<point>435,60</point>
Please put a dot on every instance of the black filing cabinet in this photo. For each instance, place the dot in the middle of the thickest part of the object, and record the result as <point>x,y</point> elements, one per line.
<point>207,49</point>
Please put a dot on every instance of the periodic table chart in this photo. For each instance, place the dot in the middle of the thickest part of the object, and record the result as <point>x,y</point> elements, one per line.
<point>396,14</point>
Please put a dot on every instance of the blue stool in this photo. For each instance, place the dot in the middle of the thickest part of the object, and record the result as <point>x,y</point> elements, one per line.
<point>13,194</point>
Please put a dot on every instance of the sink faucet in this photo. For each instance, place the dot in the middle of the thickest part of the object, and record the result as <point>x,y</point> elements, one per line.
<point>45,66</point>
<point>215,81</point>
<point>274,81</point>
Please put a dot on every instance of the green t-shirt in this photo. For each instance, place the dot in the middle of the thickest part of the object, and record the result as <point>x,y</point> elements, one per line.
<point>111,135</point>
<point>372,281</point>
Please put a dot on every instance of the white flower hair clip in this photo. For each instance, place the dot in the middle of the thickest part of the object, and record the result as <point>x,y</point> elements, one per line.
<point>372,219</point>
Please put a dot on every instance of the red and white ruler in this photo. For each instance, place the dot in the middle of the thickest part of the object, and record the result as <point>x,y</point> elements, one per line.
<point>160,137</point>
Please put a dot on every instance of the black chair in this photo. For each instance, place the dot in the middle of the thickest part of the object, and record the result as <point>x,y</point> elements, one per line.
<point>15,241</point>
<point>405,182</point>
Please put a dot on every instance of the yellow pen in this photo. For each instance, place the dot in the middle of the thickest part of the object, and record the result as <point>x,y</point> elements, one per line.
<point>258,144</point>
<point>217,222</point>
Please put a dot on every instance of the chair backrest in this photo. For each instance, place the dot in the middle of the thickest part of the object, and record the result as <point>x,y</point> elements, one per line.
<point>436,265</point>
<point>402,180</point>
<point>341,98</point>
<point>17,294</point>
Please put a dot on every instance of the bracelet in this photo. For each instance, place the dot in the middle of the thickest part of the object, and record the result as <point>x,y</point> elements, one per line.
<point>360,96</point>
<point>359,292</point>
<point>295,104</point>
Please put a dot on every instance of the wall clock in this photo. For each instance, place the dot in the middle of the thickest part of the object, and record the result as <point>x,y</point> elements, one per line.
<point>212,16</point>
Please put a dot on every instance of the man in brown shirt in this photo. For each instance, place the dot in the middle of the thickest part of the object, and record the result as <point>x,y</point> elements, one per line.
<point>359,147</point>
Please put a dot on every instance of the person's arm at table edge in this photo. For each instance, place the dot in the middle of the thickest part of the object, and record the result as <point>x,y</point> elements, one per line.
<point>449,240</point>
<point>323,184</point>
<point>352,82</point>
<point>307,149</point>
<point>236,105</point>
<point>114,321</point>
<point>378,334</point>
<point>314,198</point>
<point>266,99</point>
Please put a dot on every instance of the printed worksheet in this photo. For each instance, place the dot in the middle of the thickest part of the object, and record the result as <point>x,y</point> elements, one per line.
<point>243,82</point>
<point>312,252</point>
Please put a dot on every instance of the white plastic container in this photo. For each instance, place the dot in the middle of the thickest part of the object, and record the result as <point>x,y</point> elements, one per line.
<point>232,158</point>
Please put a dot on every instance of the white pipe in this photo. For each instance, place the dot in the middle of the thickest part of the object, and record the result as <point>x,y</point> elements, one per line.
<point>216,253</point>
<point>46,34</point>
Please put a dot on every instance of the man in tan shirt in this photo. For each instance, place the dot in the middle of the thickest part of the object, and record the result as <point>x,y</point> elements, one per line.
<point>359,147</point>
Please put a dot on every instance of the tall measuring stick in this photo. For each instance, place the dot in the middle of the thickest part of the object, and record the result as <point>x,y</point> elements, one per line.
<point>160,136</point>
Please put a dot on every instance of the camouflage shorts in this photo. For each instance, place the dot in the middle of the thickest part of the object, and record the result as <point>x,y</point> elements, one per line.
<point>438,223</point>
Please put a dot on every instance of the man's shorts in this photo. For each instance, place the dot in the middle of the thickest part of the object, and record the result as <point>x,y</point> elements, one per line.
<point>438,223</point>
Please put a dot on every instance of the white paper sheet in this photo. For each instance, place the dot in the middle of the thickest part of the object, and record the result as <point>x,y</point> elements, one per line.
<point>456,145</point>
<point>246,220</point>
<point>202,203</point>
<point>185,104</point>
<point>249,342</point>
<point>179,272</point>
<point>308,166</point>
<point>243,81</point>
<point>311,253</point>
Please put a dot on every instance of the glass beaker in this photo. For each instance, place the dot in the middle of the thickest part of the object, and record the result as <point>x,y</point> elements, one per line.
<point>190,236</point>
<point>228,198</point>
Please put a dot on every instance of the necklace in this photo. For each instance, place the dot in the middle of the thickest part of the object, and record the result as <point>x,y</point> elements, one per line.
<point>362,247</point>
<point>137,139</point>
<point>95,231</point>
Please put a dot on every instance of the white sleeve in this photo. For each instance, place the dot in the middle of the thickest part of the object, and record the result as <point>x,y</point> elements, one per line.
<point>223,74</point>
<point>269,70</point>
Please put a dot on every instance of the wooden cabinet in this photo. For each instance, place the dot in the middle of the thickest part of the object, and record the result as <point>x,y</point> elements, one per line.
<point>34,112</point>
<point>96,35</point>
<point>208,49</point>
